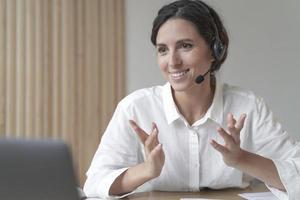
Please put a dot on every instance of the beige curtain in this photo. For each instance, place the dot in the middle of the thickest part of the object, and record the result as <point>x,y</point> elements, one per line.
<point>61,71</point>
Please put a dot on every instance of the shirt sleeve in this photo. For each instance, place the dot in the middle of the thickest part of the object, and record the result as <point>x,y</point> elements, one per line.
<point>117,151</point>
<point>271,141</point>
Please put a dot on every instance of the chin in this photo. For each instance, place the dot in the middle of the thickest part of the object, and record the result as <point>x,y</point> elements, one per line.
<point>180,87</point>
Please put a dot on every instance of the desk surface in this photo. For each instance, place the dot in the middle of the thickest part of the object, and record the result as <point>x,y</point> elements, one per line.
<point>224,194</point>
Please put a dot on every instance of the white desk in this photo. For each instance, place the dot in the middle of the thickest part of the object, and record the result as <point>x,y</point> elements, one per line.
<point>225,194</point>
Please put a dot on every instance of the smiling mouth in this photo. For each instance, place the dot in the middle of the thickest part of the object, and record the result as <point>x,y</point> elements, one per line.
<point>179,75</point>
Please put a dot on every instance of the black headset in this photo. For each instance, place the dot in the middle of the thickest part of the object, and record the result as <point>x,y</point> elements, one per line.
<point>217,46</point>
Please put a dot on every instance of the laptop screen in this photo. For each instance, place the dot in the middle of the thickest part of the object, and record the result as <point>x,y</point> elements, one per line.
<point>36,170</point>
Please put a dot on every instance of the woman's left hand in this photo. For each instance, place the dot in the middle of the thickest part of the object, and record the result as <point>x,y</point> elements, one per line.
<point>231,151</point>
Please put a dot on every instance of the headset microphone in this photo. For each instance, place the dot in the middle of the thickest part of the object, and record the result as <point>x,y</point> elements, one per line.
<point>200,78</point>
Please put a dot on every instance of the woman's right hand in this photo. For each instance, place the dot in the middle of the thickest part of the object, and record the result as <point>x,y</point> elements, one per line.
<point>155,157</point>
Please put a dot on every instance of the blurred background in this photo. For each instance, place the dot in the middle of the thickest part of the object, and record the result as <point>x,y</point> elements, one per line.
<point>65,64</point>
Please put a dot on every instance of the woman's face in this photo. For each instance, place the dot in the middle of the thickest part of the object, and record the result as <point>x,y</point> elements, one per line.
<point>182,54</point>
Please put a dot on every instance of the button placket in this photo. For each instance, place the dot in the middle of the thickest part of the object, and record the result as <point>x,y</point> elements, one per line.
<point>194,160</point>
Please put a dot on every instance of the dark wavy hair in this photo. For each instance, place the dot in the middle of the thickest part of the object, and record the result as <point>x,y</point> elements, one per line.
<point>205,19</point>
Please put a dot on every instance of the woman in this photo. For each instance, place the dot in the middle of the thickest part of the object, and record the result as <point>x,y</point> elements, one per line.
<point>194,131</point>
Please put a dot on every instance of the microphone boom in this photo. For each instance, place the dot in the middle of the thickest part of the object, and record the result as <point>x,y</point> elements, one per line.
<point>200,78</point>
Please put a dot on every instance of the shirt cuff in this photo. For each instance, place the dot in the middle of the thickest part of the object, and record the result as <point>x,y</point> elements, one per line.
<point>290,179</point>
<point>281,195</point>
<point>108,181</point>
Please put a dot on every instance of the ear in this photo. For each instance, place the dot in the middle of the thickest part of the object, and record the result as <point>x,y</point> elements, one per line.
<point>211,56</point>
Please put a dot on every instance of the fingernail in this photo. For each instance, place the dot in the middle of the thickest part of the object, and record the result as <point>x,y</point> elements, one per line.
<point>212,142</point>
<point>132,123</point>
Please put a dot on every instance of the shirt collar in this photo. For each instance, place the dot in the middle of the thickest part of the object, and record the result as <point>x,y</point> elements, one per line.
<point>169,105</point>
<point>215,111</point>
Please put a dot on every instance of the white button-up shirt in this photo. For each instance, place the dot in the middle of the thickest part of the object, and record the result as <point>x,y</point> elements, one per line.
<point>190,161</point>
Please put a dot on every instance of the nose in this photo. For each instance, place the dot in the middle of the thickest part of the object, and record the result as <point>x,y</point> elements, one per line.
<point>174,59</point>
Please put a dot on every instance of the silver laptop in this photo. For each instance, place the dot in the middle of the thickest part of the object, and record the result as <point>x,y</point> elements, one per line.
<point>36,170</point>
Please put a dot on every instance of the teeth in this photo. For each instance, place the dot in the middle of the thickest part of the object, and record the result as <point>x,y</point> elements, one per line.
<point>179,74</point>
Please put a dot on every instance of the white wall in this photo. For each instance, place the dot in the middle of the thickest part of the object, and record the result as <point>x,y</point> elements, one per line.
<point>263,56</point>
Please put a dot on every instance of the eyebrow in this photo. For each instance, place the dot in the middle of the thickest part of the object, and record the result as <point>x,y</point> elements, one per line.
<point>178,42</point>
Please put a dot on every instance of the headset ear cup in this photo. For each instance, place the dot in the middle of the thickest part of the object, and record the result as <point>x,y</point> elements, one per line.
<point>218,50</point>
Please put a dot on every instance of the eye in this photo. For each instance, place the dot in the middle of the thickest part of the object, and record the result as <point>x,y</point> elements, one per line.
<point>185,45</point>
<point>161,49</point>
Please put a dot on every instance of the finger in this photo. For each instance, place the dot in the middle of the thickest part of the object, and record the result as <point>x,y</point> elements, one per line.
<point>153,126</point>
<point>240,123</point>
<point>156,129</point>
<point>231,123</point>
<point>230,119</point>
<point>141,133</point>
<point>152,140</point>
<point>153,132</point>
<point>218,147</point>
<point>227,138</point>
<point>157,150</point>
<point>233,131</point>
